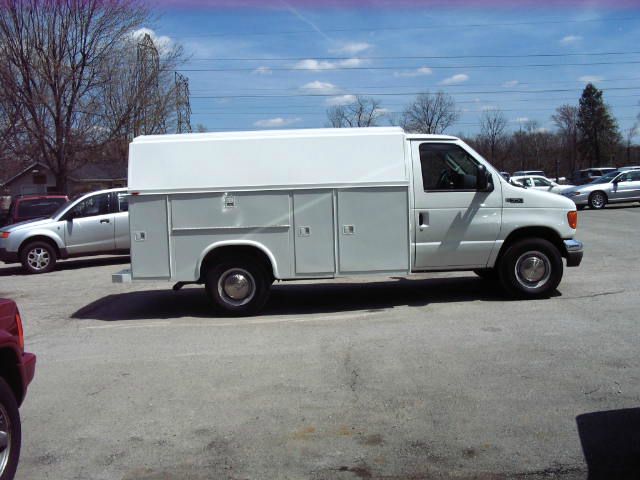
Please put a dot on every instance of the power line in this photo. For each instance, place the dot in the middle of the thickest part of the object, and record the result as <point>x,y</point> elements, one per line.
<point>334,68</point>
<point>409,57</point>
<point>406,28</point>
<point>395,94</point>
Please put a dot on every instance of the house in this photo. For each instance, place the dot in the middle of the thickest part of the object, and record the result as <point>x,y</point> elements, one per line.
<point>38,178</point>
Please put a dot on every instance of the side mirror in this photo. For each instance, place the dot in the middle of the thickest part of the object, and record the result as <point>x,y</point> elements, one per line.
<point>484,181</point>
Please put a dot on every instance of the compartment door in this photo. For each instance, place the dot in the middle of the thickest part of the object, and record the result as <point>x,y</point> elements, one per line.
<point>314,239</point>
<point>374,230</point>
<point>149,237</point>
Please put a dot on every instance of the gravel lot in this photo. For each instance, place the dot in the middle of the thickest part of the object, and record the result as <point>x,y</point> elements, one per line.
<point>436,376</point>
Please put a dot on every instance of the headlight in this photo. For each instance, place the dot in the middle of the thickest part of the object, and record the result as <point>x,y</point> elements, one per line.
<point>573,194</point>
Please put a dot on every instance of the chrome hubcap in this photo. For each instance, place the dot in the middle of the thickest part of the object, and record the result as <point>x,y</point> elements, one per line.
<point>5,439</point>
<point>533,269</point>
<point>38,258</point>
<point>597,200</point>
<point>236,286</point>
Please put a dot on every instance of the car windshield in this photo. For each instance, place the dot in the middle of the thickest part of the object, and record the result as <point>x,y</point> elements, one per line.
<point>606,178</point>
<point>60,209</point>
<point>38,207</point>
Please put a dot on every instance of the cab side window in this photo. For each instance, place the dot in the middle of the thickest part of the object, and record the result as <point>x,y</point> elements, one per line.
<point>89,207</point>
<point>123,202</point>
<point>447,167</point>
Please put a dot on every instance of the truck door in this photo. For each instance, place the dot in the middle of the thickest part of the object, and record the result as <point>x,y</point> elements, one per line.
<point>455,225</point>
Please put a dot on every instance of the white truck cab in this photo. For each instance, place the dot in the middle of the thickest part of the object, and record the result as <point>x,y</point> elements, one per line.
<point>238,211</point>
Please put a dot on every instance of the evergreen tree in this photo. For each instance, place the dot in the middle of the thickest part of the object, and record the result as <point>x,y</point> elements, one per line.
<point>598,130</point>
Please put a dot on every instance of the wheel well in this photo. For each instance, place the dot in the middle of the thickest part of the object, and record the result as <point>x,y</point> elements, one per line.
<point>218,254</point>
<point>534,232</point>
<point>606,197</point>
<point>10,373</point>
<point>40,238</point>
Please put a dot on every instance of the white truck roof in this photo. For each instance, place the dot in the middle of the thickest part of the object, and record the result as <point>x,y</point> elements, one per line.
<point>269,159</point>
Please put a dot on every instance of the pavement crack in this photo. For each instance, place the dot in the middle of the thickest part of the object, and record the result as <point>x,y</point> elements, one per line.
<point>592,295</point>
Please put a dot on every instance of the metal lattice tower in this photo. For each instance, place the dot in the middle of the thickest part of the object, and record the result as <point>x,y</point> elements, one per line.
<point>146,119</point>
<point>183,107</point>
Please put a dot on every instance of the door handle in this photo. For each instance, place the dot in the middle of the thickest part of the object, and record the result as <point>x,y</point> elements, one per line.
<point>421,220</point>
<point>104,220</point>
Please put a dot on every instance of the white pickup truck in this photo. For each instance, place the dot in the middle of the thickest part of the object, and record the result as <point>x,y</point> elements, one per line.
<point>237,211</point>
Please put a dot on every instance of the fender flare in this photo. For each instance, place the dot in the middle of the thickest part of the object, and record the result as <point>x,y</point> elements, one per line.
<point>238,243</point>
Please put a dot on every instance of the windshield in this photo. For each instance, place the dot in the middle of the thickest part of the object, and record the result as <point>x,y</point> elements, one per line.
<point>606,178</point>
<point>60,209</point>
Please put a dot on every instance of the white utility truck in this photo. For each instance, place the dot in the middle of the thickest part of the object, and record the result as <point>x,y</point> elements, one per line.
<point>237,211</point>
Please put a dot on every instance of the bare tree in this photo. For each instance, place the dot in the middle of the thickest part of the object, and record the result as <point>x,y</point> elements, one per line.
<point>492,132</point>
<point>64,72</point>
<point>430,113</point>
<point>363,112</point>
<point>629,135</point>
<point>566,120</point>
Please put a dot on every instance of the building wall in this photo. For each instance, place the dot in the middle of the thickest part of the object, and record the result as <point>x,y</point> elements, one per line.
<point>25,185</point>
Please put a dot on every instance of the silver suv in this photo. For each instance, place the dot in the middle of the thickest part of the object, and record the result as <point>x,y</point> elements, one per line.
<point>94,224</point>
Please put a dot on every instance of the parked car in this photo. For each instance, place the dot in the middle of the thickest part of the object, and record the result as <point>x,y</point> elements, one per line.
<point>17,368</point>
<point>629,167</point>
<point>540,183</point>
<point>588,175</point>
<point>528,173</point>
<point>506,175</point>
<point>614,187</point>
<point>401,204</point>
<point>94,224</point>
<point>28,207</point>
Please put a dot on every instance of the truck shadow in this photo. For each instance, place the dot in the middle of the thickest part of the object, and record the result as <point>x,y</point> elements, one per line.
<point>611,443</point>
<point>72,264</point>
<point>297,299</point>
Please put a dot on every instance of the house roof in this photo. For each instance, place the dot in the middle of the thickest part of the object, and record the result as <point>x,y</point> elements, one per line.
<point>86,173</point>
<point>14,174</point>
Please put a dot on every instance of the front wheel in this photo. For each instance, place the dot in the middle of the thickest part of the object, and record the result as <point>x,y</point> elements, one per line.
<point>38,257</point>
<point>10,432</point>
<point>597,200</point>
<point>239,286</point>
<point>531,268</point>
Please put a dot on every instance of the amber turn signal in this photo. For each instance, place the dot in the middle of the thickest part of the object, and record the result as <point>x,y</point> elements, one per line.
<point>572,218</point>
<point>4,234</point>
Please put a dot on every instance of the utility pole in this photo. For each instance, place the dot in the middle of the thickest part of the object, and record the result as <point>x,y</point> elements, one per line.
<point>147,89</point>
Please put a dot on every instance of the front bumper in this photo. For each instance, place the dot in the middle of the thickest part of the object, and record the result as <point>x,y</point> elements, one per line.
<point>574,251</point>
<point>582,199</point>
<point>8,257</point>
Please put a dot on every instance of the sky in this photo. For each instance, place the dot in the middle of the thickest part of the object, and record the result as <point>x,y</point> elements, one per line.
<point>280,64</point>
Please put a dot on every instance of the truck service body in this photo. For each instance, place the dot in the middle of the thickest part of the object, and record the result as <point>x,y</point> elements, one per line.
<point>237,211</point>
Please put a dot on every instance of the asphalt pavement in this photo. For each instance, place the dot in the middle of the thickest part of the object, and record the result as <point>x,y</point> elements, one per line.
<point>429,377</point>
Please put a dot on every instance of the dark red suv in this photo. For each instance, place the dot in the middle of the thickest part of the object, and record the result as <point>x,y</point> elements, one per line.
<point>16,372</point>
<point>28,207</point>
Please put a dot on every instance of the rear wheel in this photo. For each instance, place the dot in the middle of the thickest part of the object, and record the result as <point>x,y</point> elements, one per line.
<point>238,286</point>
<point>38,257</point>
<point>10,432</point>
<point>597,200</point>
<point>531,268</point>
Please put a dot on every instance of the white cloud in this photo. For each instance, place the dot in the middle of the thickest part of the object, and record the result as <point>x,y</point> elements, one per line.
<point>340,100</point>
<point>414,73</point>
<point>352,48</point>
<point>162,42</point>
<point>455,79</point>
<point>316,65</point>
<point>521,120</point>
<point>489,108</point>
<point>320,87</point>
<point>276,122</point>
<point>511,83</point>
<point>264,70</point>
<point>381,111</point>
<point>570,39</point>
<point>591,78</point>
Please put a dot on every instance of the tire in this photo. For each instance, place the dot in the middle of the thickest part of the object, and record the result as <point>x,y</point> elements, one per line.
<point>531,268</point>
<point>38,257</point>
<point>238,286</point>
<point>489,274</point>
<point>10,432</point>
<point>597,200</point>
